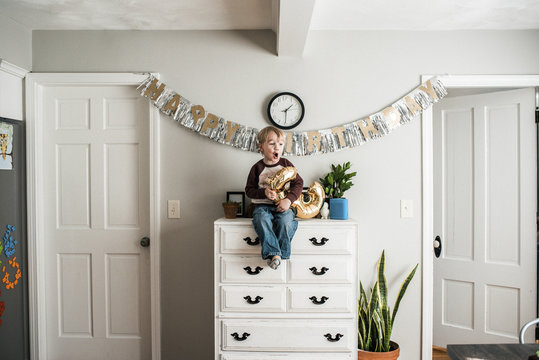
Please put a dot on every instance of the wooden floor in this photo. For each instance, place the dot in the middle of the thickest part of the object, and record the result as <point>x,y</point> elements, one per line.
<point>439,353</point>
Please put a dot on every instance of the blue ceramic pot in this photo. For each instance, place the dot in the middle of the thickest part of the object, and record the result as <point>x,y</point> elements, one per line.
<point>338,209</point>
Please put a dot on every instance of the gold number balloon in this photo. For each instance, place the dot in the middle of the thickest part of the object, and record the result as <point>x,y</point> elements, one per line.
<point>278,181</point>
<point>308,204</point>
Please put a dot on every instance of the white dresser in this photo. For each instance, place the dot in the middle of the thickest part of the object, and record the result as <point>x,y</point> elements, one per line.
<point>306,309</point>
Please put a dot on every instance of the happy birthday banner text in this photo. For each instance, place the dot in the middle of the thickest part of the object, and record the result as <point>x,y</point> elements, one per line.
<point>356,133</point>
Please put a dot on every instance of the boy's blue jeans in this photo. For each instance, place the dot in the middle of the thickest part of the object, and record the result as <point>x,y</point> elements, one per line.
<point>275,230</point>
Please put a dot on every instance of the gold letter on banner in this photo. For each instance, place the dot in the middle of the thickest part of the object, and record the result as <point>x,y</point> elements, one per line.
<point>288,146</point>
<point>339,130</point>
<point>210,122</point>
<point>297,143</point>
<point>393,115</point>
<point>231,130</point>
<point>172,104</point>
<point>412,105</point>
<point>313,139</point>
<point>198,113</point>
<point>365,126</point>
<point>429,90</point>
<point>152,89</point>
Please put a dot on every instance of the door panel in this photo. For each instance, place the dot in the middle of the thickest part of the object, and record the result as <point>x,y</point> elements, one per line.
<point>458,129</point>
<point>96,171</point>
<point>75,295</point>
<point>484,211</point>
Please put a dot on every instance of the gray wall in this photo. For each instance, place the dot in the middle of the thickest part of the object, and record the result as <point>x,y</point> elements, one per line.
<point>342,77</point>
<point>15,43</point>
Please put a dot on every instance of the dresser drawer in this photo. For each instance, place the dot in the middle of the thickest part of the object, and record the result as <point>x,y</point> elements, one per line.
<point>321,299</point>
<point>291,335</point>
<point>311,356</point>
<point>239,240</point>
<point>253,298</point>
<point>323,240</point>
<point>250,269</point>
<point>320,269</point>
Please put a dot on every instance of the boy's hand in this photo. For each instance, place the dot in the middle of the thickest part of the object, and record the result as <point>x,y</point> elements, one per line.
<point>283,205</point>
<point>270,194</point>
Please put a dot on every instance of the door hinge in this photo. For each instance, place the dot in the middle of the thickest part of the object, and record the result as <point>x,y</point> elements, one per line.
<point>537,105</point>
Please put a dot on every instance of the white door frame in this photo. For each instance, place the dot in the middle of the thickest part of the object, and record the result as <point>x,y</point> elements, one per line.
<point>35,194</point>
<point>449,81</point>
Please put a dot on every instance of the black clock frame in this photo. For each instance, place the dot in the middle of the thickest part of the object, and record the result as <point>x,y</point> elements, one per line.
<point>300,118</point>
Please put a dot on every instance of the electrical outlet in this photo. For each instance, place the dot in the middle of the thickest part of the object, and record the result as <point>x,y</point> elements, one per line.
<point>174,209</point>
<point>407,209</point>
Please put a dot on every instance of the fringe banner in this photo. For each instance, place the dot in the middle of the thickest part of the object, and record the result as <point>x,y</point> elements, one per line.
<point>356,133</point>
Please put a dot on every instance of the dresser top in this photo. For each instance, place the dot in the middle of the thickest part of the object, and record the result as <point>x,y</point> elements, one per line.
<point>244,221</point>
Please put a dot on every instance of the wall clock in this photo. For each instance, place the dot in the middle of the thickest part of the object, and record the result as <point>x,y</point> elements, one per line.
<point>285,110</point>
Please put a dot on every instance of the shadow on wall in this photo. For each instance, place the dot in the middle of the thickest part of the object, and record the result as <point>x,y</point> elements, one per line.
<point>265,40</point>
<point>187,293</point>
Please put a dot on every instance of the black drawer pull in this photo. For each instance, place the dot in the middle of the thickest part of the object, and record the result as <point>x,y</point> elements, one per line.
<point>322,241</point>
<point>315,271</point>
<point>334,339</point>
<point>322,300</point>
<point>251,301</point>
<point>251,242</point>
<point>243,337</point>
<point>250,271</point>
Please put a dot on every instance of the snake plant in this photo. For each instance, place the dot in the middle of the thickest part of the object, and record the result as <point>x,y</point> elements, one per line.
<point>375,319</point>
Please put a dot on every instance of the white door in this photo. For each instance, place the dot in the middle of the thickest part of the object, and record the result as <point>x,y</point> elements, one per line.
<point>484,211</point>
<point>96,210</point>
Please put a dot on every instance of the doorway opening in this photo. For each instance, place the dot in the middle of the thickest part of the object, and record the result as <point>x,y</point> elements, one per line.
<point>453,82</point>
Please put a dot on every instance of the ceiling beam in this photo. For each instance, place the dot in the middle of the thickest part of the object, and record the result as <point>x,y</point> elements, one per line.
<point>291,22</point>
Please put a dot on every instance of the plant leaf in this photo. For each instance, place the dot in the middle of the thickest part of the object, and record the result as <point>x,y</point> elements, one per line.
<point>371,322</point>
<point>375,319</point>
<point>402,290</point>
<point>384,309</point>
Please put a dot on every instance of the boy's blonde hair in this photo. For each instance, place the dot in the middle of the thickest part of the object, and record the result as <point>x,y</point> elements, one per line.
<point>263,134</point>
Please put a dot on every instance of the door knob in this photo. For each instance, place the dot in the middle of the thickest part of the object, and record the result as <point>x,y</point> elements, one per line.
<point>145,241</point>
<point>437,244</point>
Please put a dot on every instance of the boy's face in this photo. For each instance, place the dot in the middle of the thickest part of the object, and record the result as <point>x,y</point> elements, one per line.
<point>272,148</point>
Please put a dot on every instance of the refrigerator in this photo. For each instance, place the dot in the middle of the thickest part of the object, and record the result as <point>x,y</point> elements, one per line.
<point>14,336</point>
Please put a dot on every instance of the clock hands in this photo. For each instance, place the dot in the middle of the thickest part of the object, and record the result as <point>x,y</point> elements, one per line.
<point>286,111</point>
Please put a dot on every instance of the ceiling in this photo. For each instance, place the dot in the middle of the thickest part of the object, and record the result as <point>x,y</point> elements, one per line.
<point>288,18</point>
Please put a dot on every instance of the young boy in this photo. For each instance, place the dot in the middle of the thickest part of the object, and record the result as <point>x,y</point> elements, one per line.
<point>273,221</point>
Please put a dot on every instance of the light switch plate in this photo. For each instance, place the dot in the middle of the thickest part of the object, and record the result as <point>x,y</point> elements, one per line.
<point>174,209</point>
<point>407,209</point>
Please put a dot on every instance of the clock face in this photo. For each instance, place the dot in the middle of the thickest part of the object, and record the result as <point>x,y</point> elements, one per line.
<point>285,110</point>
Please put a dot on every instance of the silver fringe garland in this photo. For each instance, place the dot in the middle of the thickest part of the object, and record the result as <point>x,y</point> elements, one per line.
<point>197,119</point>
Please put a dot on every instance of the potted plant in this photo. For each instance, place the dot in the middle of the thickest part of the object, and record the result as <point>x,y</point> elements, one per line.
<point>375,318</point>
<point>231,209</point>
<point>335,183</point>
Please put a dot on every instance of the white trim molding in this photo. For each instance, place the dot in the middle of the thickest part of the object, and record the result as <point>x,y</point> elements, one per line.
<point>13,69</point>
<point>449,81</point>
<point>12,91</point>
<point>35,82</point>
<point>155,230</point>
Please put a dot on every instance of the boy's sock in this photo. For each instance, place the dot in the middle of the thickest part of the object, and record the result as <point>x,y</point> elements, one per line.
<point>275,262</point>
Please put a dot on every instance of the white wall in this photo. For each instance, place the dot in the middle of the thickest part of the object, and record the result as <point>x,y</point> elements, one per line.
<point>15,43</point>
<point>342,77</point>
